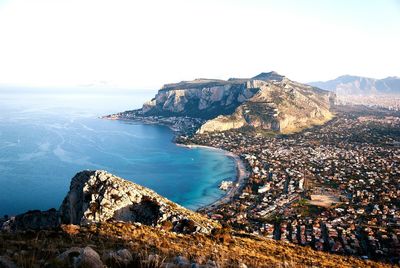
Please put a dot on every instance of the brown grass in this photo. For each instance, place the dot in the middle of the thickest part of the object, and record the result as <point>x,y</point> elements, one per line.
<point>33,249</point>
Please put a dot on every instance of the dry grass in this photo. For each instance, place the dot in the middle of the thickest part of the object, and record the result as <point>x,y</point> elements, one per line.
<point>33,249</point>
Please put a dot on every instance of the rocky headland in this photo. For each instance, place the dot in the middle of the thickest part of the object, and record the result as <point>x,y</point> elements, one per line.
<point>267,102</point>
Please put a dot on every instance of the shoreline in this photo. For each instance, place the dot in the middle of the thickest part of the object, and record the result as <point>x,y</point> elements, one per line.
<point>143,122</point>
<point>241,171</point>
<point>241,174</point>
<point>181,125</point>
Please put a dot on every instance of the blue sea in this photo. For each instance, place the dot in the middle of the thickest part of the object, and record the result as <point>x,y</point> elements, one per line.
<point>47,137</point>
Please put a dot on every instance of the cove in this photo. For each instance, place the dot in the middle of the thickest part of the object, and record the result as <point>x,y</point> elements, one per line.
<point>46,138</point>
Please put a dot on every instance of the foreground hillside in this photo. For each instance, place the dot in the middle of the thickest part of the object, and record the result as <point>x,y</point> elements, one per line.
<point>118,244</point>
<point>105,220</point>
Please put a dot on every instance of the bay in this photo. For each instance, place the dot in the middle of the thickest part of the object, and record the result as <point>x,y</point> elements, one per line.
<point>46,138</point>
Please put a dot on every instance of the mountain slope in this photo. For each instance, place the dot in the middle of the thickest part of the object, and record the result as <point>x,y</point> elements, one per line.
<point>268,101</point>
<point>147,246</point>
<point>357,85</point>
<point>283,106</point>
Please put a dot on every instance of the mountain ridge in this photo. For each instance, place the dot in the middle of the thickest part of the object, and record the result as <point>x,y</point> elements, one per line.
<point>359,85</point>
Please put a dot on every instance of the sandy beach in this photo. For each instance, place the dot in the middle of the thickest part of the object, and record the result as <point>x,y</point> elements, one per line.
<point>241,175</point>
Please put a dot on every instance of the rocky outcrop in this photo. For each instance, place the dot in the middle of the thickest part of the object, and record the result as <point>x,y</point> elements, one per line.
<point>223,123</point>
<point>98,196</point>
<point>268,101</point>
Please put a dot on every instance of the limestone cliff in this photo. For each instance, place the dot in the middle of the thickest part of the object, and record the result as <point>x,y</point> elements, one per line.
<point>268,101</point>
<point>98,196</point>
<point>203,98</point>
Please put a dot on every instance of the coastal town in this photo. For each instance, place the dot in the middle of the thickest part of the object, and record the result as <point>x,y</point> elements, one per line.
<point>388,101</point>
<point>179,124</point>
<point>333,187</point>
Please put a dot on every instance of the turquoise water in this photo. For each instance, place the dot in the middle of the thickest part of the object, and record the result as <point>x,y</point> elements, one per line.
<point>45,139</point>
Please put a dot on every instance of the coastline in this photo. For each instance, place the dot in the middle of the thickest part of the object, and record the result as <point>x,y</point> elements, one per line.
<point>241,174</point>
<point>178,125</point>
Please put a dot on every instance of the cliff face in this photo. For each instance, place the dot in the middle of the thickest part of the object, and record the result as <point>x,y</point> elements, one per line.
<point>268,101</point>
<point>199,98</point>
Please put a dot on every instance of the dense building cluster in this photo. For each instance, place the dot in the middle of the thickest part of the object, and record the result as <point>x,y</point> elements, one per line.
<point>334,187</point>
<point>179,124</point>
<point>391,102</point>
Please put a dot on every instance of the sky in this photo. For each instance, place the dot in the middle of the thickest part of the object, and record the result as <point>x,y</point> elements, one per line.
<point>145,44</point>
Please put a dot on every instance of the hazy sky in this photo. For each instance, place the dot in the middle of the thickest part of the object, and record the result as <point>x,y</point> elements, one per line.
<point>144,44</point>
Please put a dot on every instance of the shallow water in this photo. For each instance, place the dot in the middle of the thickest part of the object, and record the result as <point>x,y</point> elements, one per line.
<point>45,139</point>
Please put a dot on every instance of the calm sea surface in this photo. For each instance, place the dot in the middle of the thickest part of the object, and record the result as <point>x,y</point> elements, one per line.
<point>45,139</point>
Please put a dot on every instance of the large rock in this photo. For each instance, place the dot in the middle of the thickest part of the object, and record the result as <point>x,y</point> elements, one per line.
<point>98,196</point>
<point>80,258</point>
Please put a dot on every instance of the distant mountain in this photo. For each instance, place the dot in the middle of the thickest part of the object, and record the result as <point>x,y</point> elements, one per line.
<point>268,101</point>
<point>357,85</point>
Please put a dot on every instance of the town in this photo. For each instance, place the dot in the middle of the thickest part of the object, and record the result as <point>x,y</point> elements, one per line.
<point>388,101</point>
<point>333,187</point>
<point>183,125</point>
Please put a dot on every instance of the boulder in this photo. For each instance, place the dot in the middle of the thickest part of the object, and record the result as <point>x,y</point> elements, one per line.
<point>80,258</point>
<point>118,259</point>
